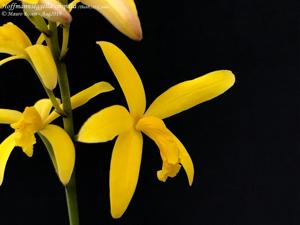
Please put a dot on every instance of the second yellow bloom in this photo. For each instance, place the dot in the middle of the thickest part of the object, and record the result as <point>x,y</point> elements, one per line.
<point>129,125</point>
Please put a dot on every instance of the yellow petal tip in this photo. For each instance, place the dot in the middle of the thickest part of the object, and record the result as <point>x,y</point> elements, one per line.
<point>230,76</point>
<point>191,179</point>
<point>138,34</point>
<point>104,44</point>
<point>64,182</point>
<point>104,86</point>
<point>115,215</point>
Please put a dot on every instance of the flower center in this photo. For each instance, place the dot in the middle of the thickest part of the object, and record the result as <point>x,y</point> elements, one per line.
<point>164,139</point>
<point>25,128</point>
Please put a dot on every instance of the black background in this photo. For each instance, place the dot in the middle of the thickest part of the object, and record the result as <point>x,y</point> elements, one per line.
<point>244,144</point>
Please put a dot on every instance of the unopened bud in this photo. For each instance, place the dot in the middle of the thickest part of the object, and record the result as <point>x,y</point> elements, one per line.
<point>49,9</point>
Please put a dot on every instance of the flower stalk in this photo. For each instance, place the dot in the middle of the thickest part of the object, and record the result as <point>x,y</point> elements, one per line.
<point>53,40</point>
<point>55,103</point>
<point>70,188</point>
<point>63,81</point>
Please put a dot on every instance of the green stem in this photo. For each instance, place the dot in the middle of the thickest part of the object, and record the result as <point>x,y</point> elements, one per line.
<point>70,188</point>
<point>53,40</point>
<point>55,103</point>
<point>71,197</point>
<point>66,99</point>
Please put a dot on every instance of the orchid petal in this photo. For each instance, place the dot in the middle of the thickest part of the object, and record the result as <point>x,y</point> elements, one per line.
<point>84,96</point>
<point>44,64</point>
<point>190,93</point>
<point>43,107</point>
<point>8,116</point>
<point>105,125</point>
<point>156,129</point>
<point>6,148</point>
<point>172,151</point>
<point>127,77</point>
<point>63,149</point>
<point>13,40</point>
<point>25,128</point>
<point>124,170</point>
<point>185,160</point>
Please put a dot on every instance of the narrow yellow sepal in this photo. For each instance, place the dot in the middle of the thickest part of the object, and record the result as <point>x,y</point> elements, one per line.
<point>190,93</point>
<point>84,96</point>
<point>124,170</point>
<point>127,77</point>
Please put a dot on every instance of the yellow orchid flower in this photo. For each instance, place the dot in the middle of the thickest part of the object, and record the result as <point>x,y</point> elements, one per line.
<point>37,119</point>
<point>15,42</point>
<point>129,125</point>
<point>50,9</point>
<point>122,14</point>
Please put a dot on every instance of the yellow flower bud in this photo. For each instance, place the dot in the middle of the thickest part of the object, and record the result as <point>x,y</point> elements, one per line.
<point>50,9</point>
